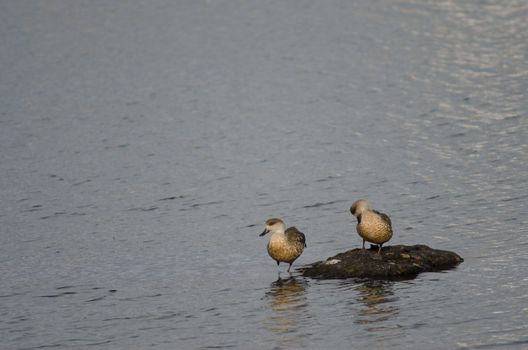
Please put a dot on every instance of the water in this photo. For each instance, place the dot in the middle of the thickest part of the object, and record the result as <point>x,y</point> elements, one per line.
<point>145,144</point>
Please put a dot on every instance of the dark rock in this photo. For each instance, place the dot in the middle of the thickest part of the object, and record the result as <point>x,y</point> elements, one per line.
<point>394,263</point>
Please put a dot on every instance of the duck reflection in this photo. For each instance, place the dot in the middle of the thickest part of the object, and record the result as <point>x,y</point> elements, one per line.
<point>377,299</point>
<point>289,307</point>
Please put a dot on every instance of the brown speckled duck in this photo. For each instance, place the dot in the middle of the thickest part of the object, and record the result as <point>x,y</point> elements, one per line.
<point>372,225</point>
<point>285,245</point>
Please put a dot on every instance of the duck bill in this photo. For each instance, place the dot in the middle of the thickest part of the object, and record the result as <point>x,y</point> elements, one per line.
<point>263,233</point>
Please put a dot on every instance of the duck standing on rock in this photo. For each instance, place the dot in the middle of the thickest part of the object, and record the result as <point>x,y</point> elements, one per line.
<point>372,225</point>
<point>285,245</point>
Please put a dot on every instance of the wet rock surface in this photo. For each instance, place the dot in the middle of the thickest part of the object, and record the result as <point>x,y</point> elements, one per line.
<point>394,262</point>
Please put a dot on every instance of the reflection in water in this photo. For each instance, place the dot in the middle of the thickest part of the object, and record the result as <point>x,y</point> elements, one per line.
<point>288,303</point>
<point>376,297</point>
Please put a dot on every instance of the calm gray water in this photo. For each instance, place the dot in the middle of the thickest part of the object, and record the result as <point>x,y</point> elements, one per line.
<point>144,144</point>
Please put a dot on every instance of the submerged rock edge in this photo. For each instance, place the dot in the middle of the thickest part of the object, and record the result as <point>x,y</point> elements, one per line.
<point>395,263</point>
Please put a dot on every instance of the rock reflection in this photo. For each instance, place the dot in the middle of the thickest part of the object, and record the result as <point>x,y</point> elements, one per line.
<point>289,311</point>
<point>376,297</point>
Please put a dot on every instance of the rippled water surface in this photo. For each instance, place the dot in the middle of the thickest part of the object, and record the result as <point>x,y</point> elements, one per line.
<point>144,144</point>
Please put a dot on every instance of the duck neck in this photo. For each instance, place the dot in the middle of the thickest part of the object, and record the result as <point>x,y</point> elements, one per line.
<point>278,236</point>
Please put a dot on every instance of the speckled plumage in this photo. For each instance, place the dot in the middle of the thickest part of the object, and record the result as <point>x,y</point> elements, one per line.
<point>372,225</point>
<point>284,245</point>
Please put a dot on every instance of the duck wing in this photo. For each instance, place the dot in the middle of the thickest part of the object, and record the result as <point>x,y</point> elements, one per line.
<point>294,235</point>
<point>384,217</point>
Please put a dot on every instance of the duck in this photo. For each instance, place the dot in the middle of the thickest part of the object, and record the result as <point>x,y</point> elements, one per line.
<point>372,226</point>
<point>285,245</point>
